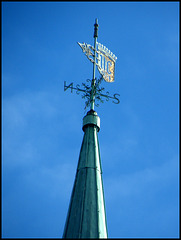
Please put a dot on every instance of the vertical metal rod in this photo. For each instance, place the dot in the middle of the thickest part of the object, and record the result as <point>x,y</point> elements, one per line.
<point>94,64</point>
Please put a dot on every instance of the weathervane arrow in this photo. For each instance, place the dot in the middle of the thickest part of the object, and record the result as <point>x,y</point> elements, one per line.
<point>105,60</point>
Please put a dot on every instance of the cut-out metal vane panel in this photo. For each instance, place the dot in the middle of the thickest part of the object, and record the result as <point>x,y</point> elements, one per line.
<point>105,60</point>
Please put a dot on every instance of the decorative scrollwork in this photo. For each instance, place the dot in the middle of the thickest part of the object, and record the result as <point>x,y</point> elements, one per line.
<point>92,92</point>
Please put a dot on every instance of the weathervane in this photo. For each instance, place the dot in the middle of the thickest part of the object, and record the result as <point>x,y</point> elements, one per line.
<point>105,60</point>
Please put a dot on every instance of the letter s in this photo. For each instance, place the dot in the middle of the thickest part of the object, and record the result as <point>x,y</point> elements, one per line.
<point>116,98</point>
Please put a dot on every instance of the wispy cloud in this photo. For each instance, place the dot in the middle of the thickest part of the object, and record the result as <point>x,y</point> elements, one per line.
<point>141,200</point>
<point>148,181</point>
<point>30,122</point>
<point>53,182</point>
<point>21,113</point>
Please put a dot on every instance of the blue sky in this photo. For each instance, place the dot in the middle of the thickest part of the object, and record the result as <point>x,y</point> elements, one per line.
<point>42,124</point>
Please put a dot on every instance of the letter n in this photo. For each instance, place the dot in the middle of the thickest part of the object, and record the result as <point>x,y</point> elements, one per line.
<point>69,86</point>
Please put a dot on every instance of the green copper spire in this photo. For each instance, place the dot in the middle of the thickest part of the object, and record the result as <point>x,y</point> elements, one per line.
<point>86,215</point>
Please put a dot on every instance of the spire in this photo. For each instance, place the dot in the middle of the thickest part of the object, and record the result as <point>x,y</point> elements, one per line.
<point>86,216</point>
